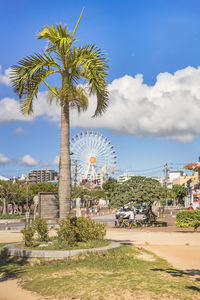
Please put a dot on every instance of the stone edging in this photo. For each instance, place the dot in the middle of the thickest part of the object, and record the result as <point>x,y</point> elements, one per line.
<point>12,250</point>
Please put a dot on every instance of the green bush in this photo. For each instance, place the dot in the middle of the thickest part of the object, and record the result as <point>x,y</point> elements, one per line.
<point>87,229</point>
<point>66,232</point>
<point>28,235</point>
<point>188,218</point>
<point>73,230</point>
<point>41,228</point>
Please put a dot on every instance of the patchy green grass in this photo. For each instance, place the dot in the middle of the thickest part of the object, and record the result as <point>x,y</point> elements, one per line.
<point>62,246</point>
<point>8,216</point>
<point>126,273</point>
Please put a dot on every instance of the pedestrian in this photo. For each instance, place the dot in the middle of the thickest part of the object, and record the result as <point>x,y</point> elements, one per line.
<point>190,207</point>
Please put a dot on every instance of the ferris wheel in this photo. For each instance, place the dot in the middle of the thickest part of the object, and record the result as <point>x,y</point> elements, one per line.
<point>94,155</point>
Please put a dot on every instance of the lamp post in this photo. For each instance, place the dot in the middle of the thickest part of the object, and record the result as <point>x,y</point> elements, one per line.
<point>27,210</point>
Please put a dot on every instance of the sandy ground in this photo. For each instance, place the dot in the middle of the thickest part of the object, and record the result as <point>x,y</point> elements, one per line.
<point>181,249</point>
<point>10,290</point>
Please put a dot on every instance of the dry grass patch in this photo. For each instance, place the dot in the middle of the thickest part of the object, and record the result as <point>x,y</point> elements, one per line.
<point>126,273</point>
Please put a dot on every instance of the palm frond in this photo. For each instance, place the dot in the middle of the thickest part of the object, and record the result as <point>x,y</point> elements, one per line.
<point>31,89</point>
<point>89,62</point>
<point>27,76</point>
<point>59,39</point>
<point>78,99</point>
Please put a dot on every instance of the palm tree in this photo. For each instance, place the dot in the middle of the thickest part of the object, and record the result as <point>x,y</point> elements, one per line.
<point>75,65</point>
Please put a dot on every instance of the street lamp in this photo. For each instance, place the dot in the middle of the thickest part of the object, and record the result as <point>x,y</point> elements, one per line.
<point>27,210</point>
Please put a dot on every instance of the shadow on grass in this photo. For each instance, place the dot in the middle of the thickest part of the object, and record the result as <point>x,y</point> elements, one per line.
<point>124,242</point>
<point>11,267</point>
<point>180,273</point>
<point>193,288</point>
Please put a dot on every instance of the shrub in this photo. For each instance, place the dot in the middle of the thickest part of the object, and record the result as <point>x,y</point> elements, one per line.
<point>28,235</point>
<point>188,218</point>
<point>73,230</point>
<point>66,232</point>
<point>41,228</point>
<point>87,229</point>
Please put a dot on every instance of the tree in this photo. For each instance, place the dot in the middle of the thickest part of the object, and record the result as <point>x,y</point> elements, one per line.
<point>73,64</point>
<point>11,194</point>
<point>109,186</point>
<point>138,189</point>
<point>179,192</point>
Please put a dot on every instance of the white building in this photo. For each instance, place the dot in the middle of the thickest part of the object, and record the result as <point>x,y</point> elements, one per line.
<point>99,179</point>
<point>4,178</point>
<point>124,177</point>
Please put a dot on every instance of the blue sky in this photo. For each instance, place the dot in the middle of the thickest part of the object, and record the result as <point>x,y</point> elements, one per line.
<point>153,117</point>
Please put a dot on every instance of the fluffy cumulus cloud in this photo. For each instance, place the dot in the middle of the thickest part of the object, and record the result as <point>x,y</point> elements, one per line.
<point>10,111</point>
<point>168,109</point>
<point>28,160</point>
<point>3,159</point>
<point>4,78</point>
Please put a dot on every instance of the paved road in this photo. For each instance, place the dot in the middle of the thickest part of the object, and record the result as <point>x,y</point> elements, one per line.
<point>108,219</point>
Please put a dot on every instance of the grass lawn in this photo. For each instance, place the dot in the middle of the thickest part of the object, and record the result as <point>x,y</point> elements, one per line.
<point>126,273</point>
<point>8,216</point>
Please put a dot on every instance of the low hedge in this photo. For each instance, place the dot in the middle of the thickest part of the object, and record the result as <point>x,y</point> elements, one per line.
<point>70,232</point>
<point>9,217</point>
<point>188,218</point>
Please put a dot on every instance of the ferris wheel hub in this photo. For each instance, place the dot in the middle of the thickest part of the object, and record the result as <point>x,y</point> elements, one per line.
<point>92,159</point>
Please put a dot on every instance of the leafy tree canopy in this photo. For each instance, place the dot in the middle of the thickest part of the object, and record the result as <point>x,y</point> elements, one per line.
<point>137,189</point>
<point>109,186</point>
<point>179,191</point>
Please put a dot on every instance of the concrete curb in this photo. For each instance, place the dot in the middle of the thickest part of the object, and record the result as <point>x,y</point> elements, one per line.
<point>12,250</point>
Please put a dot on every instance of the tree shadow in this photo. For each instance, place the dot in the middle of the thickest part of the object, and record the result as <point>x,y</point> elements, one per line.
<point>11,267</point>
<point>124,242</point>
<point>193,288</point>
<point>181,273</point>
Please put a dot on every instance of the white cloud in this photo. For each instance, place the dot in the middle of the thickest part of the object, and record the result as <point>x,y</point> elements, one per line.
<point>10,111</point>
<point>27,160</point>
<point>3,159</point>
<point>4,78</point>
<point>19,131</point>
<point>168,109</point>
<point>55,162</point>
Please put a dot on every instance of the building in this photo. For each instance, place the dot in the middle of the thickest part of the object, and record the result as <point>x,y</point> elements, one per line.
<point>193,186</point>
<point>124,177</point>
<point>4,178</point>
<point>98,179</point>
<point>42,175</point>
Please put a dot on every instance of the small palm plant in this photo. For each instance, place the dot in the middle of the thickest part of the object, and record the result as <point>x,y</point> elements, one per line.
<point>73,64</point>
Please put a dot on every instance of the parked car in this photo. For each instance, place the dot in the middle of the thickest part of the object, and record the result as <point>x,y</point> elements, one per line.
<point>121,212</point>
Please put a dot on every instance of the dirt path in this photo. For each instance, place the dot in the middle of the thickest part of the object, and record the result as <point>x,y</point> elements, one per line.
<point>10,290</point>
<point>181,249</point>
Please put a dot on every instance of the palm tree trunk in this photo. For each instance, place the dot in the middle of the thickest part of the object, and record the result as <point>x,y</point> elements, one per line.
<point>64,188</point>
<point>4,212</point>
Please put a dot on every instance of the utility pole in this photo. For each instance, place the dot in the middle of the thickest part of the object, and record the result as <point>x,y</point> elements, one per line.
<point>76,169</point>
<point>166,175</point>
